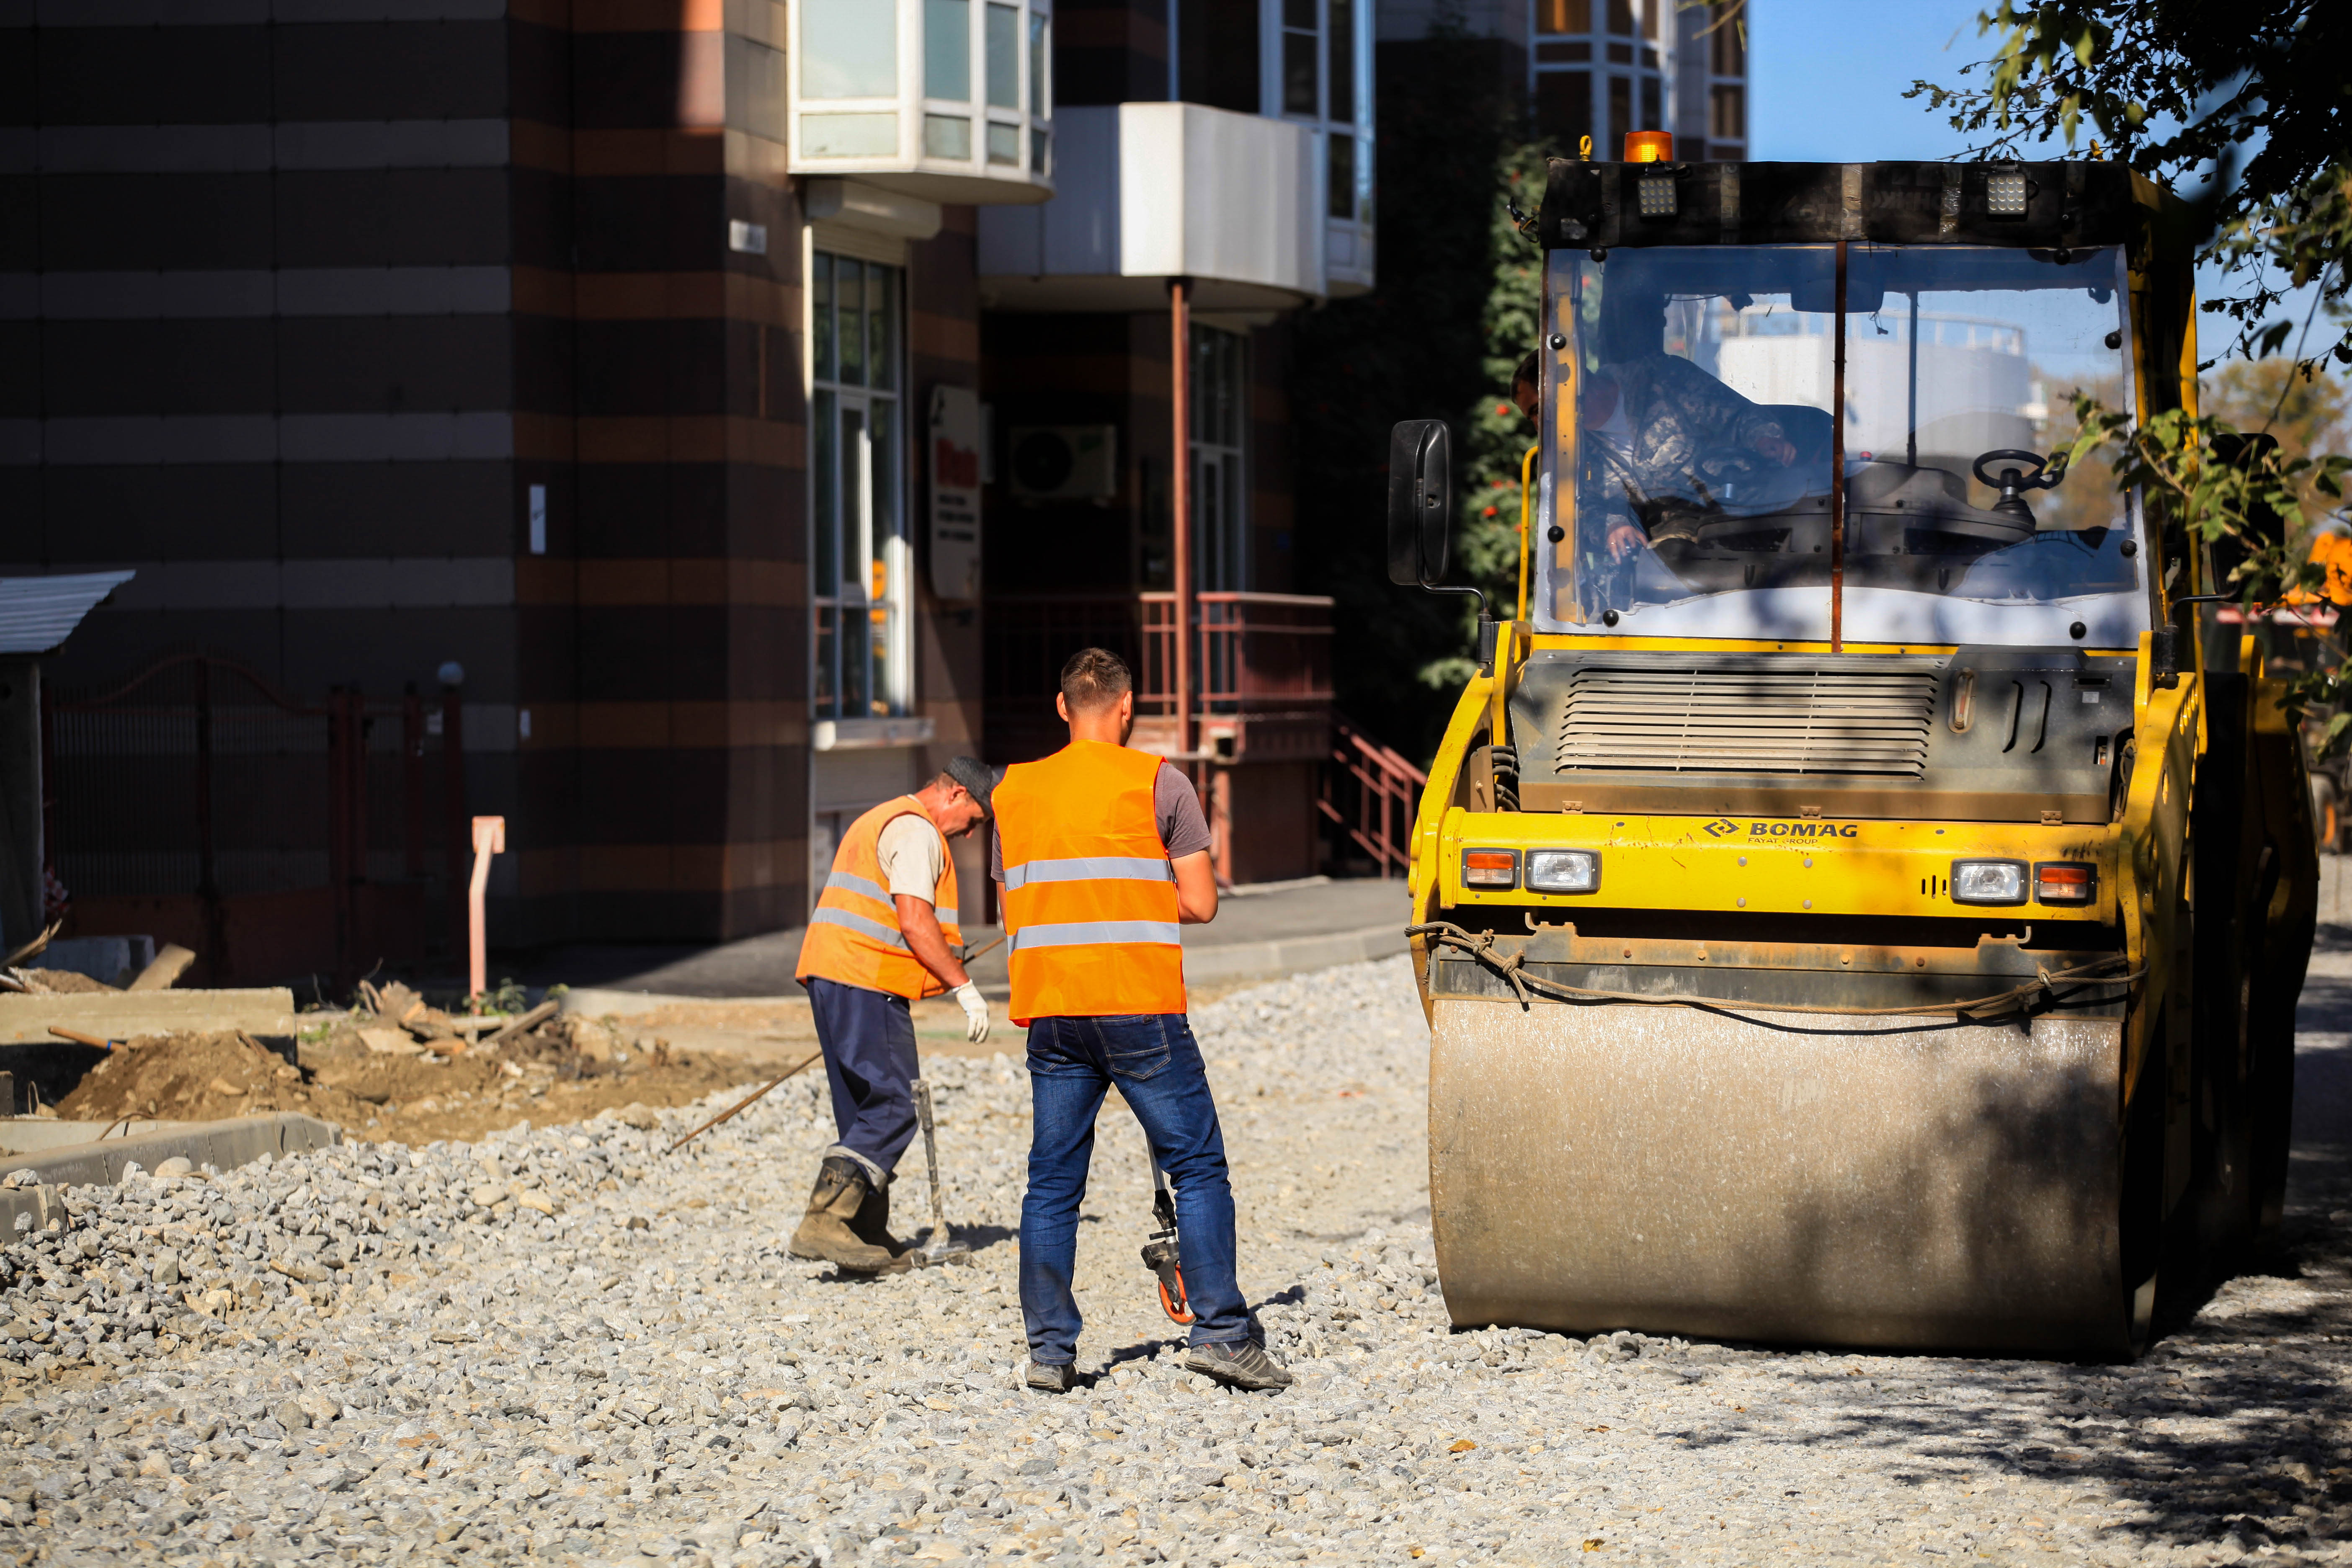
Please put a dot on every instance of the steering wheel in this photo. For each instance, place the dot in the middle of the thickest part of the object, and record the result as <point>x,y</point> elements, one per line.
<point>2044,475</point>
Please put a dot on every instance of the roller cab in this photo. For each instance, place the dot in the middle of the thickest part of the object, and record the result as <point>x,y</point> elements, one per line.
<point>1863,895</point>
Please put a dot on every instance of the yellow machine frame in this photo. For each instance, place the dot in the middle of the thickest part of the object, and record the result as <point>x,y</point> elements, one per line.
<point>1810,866</point>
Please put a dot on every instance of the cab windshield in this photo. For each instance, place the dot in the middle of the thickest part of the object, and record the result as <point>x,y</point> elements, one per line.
<point>1695,419</point>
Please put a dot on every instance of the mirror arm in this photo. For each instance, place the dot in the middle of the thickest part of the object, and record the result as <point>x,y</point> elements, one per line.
<point>1486,630</point>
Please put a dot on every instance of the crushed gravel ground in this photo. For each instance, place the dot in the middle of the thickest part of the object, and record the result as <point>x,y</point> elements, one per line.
<point>560,1343</point>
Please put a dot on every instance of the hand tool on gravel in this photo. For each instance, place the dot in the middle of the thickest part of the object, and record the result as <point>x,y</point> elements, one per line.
<point>939,1246</point>
<point>742,1104</point>
<point>1160,1253</point>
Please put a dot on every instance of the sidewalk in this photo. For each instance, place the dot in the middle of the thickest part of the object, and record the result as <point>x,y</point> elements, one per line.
<point>1282,930</point>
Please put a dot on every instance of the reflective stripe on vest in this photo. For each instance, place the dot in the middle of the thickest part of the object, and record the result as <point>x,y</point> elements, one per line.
<point>854,936</point>
<point>1078,933</point>
<point>1090,896</point>
<point>1091,867</point>
<point>886,934</point>
<point>848,882</point>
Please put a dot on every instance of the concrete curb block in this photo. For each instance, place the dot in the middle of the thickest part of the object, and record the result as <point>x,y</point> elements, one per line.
<point>1293,955</point>
<point>596,1003</point>
<point>223,1145</point>
<point>1233,960</point>
<point>126,1014</point>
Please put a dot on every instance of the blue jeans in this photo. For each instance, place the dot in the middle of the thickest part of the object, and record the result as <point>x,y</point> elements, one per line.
<point>869,1040</point>
<point>1154,1061</point>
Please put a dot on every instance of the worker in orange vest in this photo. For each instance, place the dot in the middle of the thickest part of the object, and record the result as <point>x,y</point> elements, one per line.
<point>1103,853</point>
<point>883,935</point>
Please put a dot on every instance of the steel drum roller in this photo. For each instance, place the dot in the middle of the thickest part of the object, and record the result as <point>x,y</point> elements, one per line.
<point>1595,1168</point>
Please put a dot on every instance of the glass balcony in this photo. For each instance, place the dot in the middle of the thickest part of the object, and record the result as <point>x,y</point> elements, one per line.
<point>1151,190</point>
<point>946,100</point>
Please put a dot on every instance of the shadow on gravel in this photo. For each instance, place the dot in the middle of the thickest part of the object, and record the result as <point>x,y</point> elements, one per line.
<point>2231,1431</point>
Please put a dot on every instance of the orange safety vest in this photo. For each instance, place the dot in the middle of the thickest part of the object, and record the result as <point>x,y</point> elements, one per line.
<point>1089,895</point>
<point>853,934</point>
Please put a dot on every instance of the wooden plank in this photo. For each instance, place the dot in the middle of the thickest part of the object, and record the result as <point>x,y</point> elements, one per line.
<point>124,1014</point>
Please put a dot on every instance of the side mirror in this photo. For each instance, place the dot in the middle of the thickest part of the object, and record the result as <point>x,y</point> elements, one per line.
<point>1421,501</point>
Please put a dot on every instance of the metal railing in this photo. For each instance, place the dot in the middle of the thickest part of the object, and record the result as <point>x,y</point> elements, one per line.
<point>1252,652</point>
<point>1371,792</point>
<point>1264,655</point>
<point>274,836</point>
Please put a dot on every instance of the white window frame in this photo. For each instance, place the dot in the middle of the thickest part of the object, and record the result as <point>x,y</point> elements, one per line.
<point>856,538</point>
<point>1221,556</point>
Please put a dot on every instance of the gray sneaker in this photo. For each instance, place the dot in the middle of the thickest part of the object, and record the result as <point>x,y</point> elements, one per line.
<point>1053,1376</point>
<point>1240,1363</point>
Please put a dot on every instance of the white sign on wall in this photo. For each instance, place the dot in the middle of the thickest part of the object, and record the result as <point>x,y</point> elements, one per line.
<point>955,492</point>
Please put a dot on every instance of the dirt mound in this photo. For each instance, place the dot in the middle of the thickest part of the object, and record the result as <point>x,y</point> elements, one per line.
<point>190,1076</point>
<point>542,1078</point>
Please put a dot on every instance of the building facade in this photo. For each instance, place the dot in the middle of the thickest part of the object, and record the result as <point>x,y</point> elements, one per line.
<point>1602,68</point>
<point>505,408</point>
<point>598,413</point>
<point>675,426</point>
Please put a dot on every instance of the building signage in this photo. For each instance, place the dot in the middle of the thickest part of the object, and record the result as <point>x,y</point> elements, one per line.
<point>955,492</point>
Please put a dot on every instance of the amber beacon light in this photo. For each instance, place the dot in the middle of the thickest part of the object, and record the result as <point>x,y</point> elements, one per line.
<point>1649,146</point>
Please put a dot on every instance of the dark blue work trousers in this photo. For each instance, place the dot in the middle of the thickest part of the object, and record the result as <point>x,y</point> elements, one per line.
<point>869,1040</point>
<point>1155,1064</point>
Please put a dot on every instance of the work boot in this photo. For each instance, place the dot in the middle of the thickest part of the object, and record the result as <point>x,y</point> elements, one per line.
<point>1240,1363</point>
<point>871,1224</point>
<point>826,1230</point>
<point>1052,1376</point>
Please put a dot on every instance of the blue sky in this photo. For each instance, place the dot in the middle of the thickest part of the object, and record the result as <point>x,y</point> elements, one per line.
<point>1826,79</point>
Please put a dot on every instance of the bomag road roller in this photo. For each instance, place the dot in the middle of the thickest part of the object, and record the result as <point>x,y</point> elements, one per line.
<point>1862,896</point>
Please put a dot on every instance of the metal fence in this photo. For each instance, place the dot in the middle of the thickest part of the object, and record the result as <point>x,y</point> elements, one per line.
<point>276,836</point>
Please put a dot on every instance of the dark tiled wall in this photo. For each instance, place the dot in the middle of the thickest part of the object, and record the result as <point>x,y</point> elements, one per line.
<point>321,287</point>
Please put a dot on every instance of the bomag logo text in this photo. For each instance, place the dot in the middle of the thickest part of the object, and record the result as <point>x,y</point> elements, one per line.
<point>1804,830</point>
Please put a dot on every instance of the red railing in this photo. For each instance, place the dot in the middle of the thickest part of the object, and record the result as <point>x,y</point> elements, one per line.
<point>1372,792</point>
<point>1252,652</point>
<point>1261,663</point>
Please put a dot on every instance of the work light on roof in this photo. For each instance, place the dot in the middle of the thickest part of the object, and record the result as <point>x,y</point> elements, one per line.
<point>2005,193</point>
<point>1655,194</point>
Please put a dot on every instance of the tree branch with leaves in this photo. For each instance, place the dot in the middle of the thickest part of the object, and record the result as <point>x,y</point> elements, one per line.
<point>2246,106</point>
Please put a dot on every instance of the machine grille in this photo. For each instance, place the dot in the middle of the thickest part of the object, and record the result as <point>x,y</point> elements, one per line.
<point>1835,722</point>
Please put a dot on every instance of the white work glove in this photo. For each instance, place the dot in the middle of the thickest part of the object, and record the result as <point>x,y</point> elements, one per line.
<point>975,1012</point>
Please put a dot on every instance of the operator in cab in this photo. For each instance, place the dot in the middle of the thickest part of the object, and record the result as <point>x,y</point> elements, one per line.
<point>1655,419</point>
<point>1661,426</point>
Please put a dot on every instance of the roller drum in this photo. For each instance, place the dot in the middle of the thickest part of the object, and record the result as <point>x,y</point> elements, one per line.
<point>1595,1168</point>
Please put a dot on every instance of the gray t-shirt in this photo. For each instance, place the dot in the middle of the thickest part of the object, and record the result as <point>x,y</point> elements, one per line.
<point>1175,806</point>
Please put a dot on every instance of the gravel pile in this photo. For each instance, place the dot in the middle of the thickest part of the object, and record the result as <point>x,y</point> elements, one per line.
<point>562,1344</point>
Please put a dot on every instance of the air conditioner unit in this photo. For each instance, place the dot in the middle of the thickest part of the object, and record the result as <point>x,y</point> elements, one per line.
<point>1065,462</point>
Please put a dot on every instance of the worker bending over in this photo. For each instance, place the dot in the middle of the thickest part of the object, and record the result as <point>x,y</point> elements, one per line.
<point>1103,853</point>
<point>875,943</point>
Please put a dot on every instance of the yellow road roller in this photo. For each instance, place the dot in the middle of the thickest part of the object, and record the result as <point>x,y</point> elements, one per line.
<point>1862,897</point>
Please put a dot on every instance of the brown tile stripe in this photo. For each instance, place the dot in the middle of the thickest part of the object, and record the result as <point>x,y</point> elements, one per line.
<point>545,580</point>
<point>946,337</point>
<point>673,149</point>
<point>657,296</point>
<point>654,438</point>
<point>663,868</point>
<point>656,726</point>
<point>622,15</point>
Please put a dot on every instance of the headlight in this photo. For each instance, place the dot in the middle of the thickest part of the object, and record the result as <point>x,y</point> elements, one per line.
<point>1563,871</point>
<point>1490,867</point>
<point>1989,881</point>
<point>2064,882</point>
